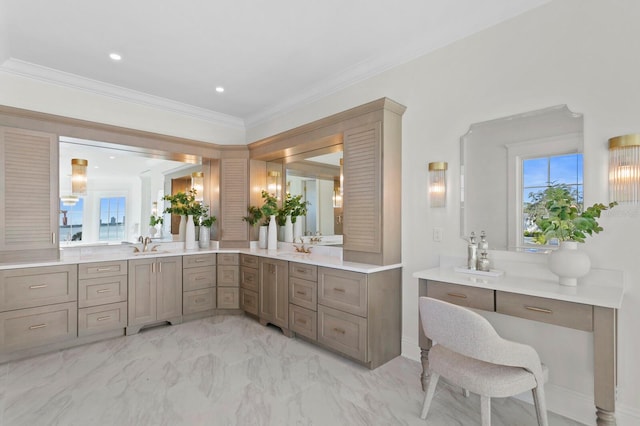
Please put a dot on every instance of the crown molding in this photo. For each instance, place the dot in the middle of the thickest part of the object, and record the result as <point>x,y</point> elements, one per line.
<point>60,78</point>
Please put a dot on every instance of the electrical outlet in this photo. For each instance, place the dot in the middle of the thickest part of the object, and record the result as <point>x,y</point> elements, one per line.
<point>437,234</point>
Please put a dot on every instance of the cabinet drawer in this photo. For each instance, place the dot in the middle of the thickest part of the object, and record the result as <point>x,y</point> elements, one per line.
<point>249,301</point>
<point>102,269</point>
<point>228,298</point>
<point>343,332</point>
<point>248,260</point>
<point>462,295</point>
<point>303,321</point>
<point>249,278</point>
<point>228,258</point>
<point>31,287</point>
<point>198,301</point>
<point>558,312</point>
<point>197,260</point>
<point>344,290</point>
<point>228,276</point>
<point>102,318</point>
<point>303,293</point>
<point>27,328</point>
<point>304,271</point>
<point>100,291</point>
<point>198,278</point>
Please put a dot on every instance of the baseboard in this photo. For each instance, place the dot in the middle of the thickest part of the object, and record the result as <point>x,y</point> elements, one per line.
<point>566,402</point>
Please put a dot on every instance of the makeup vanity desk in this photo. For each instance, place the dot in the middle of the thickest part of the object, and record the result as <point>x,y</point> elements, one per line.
<point>592,306</point>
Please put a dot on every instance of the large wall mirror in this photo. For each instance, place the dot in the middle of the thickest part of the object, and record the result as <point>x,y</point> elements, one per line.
<point>507,161</point>
<point>125,186</point>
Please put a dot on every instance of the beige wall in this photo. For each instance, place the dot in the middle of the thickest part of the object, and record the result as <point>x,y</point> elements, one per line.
<point>576,52</point>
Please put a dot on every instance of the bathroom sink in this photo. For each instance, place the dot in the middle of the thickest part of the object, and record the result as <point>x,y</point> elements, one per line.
<point>149,253</point>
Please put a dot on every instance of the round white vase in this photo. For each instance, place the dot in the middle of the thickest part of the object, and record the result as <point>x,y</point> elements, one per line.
<point>288,230</point>
<point>569,263</point>
<point>190,234</point>
<point>182,228</point>
<point>262,237</point>
<point>297,229</point>
<point>272,242</point>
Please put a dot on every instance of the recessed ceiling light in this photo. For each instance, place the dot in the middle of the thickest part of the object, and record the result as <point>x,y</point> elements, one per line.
<point>219,89</point>
<point>115,56</point>
<point>112,157</point>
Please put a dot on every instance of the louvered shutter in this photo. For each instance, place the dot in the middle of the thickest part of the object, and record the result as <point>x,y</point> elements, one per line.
<point>234,178</point>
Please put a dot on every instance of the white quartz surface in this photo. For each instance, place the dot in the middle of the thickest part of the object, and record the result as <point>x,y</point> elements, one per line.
<point>599,288</point>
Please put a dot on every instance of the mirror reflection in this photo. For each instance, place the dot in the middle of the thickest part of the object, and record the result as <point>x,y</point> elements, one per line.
<point>124,188</point>
<point>506,162</point>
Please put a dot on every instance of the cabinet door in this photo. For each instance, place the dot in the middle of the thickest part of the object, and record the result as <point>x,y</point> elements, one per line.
<point>274,292</point>
<point>169,287</point>
<point>28,195</point>
<point>142,291</point>
<point>234,198</point>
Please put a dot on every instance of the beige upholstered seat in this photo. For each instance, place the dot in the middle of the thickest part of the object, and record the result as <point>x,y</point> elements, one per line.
<point>468,352</point>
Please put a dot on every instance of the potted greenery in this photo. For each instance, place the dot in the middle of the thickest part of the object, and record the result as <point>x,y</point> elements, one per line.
<point>562,219</point>
<point>185,205</point>
<point>206,222</point>
<point>296,208</point>
<point>266,213</point>
<point>153,222</point>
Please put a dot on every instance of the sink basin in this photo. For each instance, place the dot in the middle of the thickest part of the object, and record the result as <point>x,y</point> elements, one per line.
<point>149,253</point>
<point>294,255</point>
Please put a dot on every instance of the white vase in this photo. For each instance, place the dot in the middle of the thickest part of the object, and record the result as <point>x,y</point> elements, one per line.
<point>288,230</point>
<point>190,234</point>
<point>205,237</point>
<point>183,227</point>
<point>297,229</point>
<point>569,263</point>
<point>262,237</point>
<point>272,243</point>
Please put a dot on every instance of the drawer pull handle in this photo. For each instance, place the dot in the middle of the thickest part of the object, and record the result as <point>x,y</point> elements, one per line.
<point>199,260</point>
<point>104,290</point>
<point>199,300</point>
<point>103,269</point>
<point>200,278</point>
<point>535,309</point>
<point>33,287</point>
<point>301,321</point>
<point>302,293</point>
<point>35,327</point>
<point>460,295</point>
<point>301,271</point>
<point>339,290</point>
<point>104,318</point>
<point>339,330</point>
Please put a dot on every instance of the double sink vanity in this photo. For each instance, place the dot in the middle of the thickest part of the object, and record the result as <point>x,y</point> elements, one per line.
<point>351,308</point>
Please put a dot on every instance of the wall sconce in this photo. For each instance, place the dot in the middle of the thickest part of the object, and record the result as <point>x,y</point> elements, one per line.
<point>337,198</point>
<point>438,184</point>
<point>79,176</point>
<point>197,184</point>
<point>341,180</point>
<point>69,200</point>
<point>273,183</point>
<point>624,169</point>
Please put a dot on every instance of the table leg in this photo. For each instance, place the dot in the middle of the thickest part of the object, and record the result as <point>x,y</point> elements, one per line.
<point>424,358</point>
<point>605,322</point>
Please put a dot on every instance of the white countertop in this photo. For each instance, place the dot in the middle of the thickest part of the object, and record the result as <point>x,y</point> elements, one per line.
<point>600,288</point>
<point>126,252</point>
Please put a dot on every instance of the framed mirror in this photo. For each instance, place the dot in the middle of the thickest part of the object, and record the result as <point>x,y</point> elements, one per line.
<point>505,162</point>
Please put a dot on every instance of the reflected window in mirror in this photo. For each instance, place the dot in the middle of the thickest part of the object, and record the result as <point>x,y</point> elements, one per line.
<point>112,218</point>
<point>70,225</point>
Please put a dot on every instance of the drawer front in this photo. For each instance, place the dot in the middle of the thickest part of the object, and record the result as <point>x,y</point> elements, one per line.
<point>102,269</point>
<point>198,301</point>
<point>343,332</point>
<point>249,301</point>
<point>304,271</point>
<point>198,278</point>
<point>558,312</point>
<point>99,319</point>
<point>31,287</point>
<point>249,278</point>
<point>343,290</point>
<point>303,293</point>
<point>198,260</point>
<point>101,291</point>
<point>462,295</point>
<point>303,321</point>
<point>228,298</point>
<point>228,276</point>
<point>249,261</point>
<point>28,328</point>
<point>228,258</point>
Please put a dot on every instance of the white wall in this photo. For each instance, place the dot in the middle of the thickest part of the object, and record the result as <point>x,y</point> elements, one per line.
<point>576,52</point>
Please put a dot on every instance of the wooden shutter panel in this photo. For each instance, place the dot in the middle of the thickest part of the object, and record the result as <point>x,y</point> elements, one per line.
<point>234,176</point>
<point>362,189</point>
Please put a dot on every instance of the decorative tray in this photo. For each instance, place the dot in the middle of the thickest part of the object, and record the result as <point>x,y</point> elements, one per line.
<point>489,273</point>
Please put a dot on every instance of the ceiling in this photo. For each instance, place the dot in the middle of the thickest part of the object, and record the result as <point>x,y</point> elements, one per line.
<point>268,55</point>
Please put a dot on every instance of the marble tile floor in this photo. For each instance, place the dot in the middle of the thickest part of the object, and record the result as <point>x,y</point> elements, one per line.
<point>228,370</point>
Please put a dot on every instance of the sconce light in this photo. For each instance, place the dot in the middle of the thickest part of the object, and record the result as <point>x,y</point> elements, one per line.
<point>337,198</point>
<point>438,184</point>
<point>79,176</point>
<point>273,183</point>
<point>69,200</point>
<point>197,183</point>
<point>341,180</point>
<point>624,169</point>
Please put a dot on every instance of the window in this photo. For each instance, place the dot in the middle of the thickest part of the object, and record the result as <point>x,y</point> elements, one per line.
<point>112,219</point>
<point>70,225</point>
<point>540,174</point>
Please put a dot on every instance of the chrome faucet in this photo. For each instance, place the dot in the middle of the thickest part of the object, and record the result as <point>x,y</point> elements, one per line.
<point>301,248</point>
